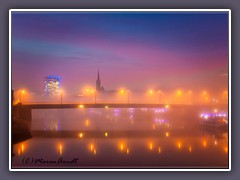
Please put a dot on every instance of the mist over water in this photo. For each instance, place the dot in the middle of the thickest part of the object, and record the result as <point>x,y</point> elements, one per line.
<point>124,137</point>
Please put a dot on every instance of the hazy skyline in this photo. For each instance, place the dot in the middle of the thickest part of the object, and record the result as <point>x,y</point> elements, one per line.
<point>137,50</point>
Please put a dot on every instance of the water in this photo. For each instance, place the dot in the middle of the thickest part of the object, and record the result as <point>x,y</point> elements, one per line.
<point>121,138</point>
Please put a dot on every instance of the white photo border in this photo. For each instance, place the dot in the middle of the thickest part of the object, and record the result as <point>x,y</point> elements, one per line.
<point>120,10</point>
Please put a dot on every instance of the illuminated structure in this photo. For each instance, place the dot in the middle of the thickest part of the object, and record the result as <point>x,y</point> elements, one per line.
<point>99,88</point>
<point>52,85</point>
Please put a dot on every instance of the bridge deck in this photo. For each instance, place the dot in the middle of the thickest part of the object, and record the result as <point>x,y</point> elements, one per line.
<point>108,105</point>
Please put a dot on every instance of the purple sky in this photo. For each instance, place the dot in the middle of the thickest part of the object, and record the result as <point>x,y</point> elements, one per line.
<point>132,50</point>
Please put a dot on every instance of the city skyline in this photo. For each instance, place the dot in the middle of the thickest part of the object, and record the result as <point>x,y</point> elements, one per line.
<point>137,50</point>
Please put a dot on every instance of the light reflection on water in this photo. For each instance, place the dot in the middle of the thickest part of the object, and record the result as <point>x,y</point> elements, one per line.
<point>123,138</point>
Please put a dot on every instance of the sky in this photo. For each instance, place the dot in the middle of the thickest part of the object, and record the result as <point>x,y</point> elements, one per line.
<point>136,50</point>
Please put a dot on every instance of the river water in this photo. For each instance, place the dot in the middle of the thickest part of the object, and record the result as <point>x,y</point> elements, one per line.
<point>122,138</point>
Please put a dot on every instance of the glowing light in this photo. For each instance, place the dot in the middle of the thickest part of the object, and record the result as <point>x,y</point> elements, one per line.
<point>94,151</point>
<point>80,135</point>
<point>179,145</point>
<point>60,149</point>
<point>150,91</point>
<point>87,122</point>
<point>106,107</point>
<point>215,142</point>
<point>167,106</point>
<point>226,149</point>
<point>215,110</point>
<point>91,147</point>
<point>159,150</point>
<point>22,147</point>
<point>204,143</point>
<point>204,93</point>
<point>106,134</point>
<point>205,116</point>
<point>151,146</point>
<point>190,149</point>
<point>122,91</point>
<point>88,91</point>
<point>81,106</point>
<point>167,134</point>
<point>127,151</point>
<point>179,92</point>
<point>121,147</point>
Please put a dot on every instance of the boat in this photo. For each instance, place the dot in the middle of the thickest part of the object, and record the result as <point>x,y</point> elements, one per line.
<point>214,120</point>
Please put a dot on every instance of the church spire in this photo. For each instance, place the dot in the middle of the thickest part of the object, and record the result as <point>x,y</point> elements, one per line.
<point>98,82</point>
<point>98,75</point>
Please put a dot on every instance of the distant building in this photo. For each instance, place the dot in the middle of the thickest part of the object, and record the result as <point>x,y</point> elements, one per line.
<point>52,85</point>
<point>99,88</point>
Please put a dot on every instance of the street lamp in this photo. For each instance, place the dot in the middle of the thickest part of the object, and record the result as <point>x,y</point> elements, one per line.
<point>21,93</point>
<point>151,92</point>
<point>205,96</point>
<point>123,92</point>
<point>90,93</point>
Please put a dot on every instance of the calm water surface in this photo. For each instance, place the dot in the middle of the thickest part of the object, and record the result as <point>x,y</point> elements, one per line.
<point>121,138</point>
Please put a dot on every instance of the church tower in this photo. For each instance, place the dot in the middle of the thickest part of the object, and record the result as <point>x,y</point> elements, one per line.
<point>98,83</point>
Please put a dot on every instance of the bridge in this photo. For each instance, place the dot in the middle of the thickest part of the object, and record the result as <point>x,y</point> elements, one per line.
<point>105,105</point>
<point>23,112</point>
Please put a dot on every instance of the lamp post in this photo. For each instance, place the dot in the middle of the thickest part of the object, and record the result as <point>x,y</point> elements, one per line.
<point>151,93</point>
<point>124,92</point>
